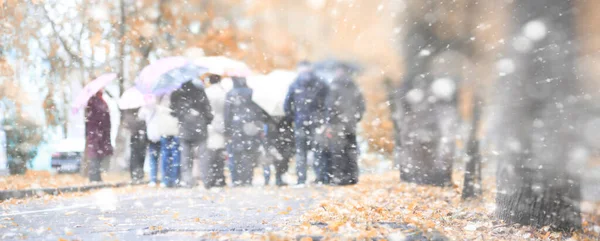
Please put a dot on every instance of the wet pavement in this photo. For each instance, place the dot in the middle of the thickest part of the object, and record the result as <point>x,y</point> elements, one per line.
<point>157,214</point>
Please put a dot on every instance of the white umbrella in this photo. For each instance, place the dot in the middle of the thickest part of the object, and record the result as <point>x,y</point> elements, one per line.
<point>224,66</point>
<point>132,98</point>
<point>269,91</point>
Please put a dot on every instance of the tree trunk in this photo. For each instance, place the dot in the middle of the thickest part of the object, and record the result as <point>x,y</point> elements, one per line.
<point>472,176</point>
<point>472,182</point>
<point>121,141</point>
<point>396,116</point>
<point>85,160</point>
<point>121,41</point>
<point>428,117</point>
<point>66,104</point>
<point>539,152</point>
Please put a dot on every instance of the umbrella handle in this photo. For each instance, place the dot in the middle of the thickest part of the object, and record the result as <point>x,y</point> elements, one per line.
<point>108,93</point>
<point>269,118</point>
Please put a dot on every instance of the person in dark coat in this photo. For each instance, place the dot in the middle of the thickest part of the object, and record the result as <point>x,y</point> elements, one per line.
<point>138,143</point>
<point>345,108</point>
<point>97,135</point>
<point>191,107</point>
<point>305,104</point>
<point>244,122</point>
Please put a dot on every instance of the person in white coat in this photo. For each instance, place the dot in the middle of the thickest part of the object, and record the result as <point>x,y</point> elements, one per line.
<point>212,167</point>
<point>162,131</point>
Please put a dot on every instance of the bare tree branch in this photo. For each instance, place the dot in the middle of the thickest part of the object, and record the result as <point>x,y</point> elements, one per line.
<point>84,10</point>
<point>63,42</point>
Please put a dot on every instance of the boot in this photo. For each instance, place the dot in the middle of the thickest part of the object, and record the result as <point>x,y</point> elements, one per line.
<point>279,181</point>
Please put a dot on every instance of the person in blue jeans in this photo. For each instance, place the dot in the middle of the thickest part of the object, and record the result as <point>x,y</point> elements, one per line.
<point>153,156</point>
<point>162,130</point>
<point>170,157</point>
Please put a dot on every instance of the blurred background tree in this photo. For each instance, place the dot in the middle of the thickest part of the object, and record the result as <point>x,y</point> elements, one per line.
<point>23,131</point>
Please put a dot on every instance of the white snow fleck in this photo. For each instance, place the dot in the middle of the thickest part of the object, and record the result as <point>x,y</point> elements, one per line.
<point>537,123</point>
<point>106,200</point>
<point>194,27</point>
<point>522,44</point>
<point>99,13</point>
<point>471,227</point>
<point>415,96</point>
<point>578,156</point>
<point>514,145</point>
<point>250,129</point>
<point>425,52</point>
<point>506,66</point>
<point>443,88</point>
<point>396,236</point>
<point>535,30</point>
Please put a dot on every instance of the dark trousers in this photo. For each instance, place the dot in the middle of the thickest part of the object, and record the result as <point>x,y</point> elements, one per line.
<point>190,150</point>
<point>344,159</point>
<point>241,165</point>
<point>323,164</point>
<point>305,142</point>
<point>212,168</point>
<point>138,146</point>
<point>95,169</point>
<point>281,167</point>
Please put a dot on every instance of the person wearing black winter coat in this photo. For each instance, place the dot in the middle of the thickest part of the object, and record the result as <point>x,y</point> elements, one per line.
<point>305,104</point>
<point>345,108</point>
<point>244,122</point>
<point>191,107</point>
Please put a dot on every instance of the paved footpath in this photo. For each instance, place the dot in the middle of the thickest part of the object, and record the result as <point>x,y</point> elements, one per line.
<point>156,214</point>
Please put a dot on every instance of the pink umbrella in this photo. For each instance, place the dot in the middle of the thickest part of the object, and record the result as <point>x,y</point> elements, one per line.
<point>91,89</point>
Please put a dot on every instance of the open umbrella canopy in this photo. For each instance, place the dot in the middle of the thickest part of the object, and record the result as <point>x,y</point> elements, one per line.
<point>132,98</point>
<point>269,91</point>
<point>326,69</point>
<point>166,75</point>
<point>91,89</point>
<point>224,66</point>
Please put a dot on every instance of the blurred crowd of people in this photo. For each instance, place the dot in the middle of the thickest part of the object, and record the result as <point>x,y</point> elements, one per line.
<point>202,126</point>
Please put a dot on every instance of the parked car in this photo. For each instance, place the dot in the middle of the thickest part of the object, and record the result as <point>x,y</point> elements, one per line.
<point>67,155</point>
